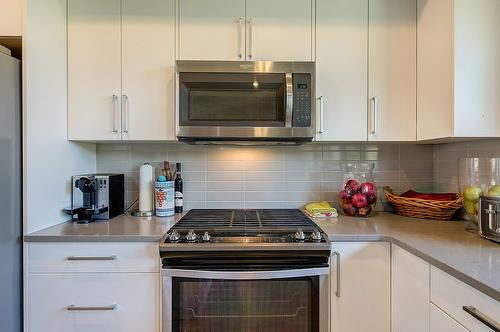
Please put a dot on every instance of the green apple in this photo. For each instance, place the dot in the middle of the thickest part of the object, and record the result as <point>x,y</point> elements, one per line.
<point>494,191</point>
<point>472,193</point>
<point>471,207</point>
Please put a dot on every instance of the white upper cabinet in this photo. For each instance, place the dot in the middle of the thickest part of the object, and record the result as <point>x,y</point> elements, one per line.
<point>11,18</point>
<point>360,299</point>
<point>392,70</point>
<point>148,57</point>
<point>94,70</point>
<point>458,69</point>
<point>279,30</point>
<point>341,69</point>
<point>211,30</point>
<point>120,70</point>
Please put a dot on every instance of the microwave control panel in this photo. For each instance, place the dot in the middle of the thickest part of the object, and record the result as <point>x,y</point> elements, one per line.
<point>301,100</point>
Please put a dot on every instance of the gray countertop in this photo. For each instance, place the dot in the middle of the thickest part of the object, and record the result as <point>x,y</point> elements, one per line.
<point>444,244</point>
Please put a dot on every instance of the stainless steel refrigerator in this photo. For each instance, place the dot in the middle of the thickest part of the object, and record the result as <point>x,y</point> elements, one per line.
<point>10,194</point>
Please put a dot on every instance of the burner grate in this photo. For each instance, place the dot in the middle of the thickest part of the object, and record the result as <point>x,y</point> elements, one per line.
<point>247,222</point>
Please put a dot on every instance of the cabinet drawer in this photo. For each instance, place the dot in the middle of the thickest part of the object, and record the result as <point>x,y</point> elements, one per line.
<point>441,322</point>
<point>125,302</point>
<point>451,295</point>
<point>93,257</point>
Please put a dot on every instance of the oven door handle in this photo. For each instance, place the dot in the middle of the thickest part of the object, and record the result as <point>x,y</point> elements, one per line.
<point>245,275</point>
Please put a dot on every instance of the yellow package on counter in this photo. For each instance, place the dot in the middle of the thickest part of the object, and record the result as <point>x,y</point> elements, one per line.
<point>321,210</point>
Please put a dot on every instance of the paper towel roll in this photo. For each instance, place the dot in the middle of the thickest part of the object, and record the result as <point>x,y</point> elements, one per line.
<point>146,185</point>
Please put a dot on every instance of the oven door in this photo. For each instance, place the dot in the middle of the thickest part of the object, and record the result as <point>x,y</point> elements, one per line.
<point>294,300</point>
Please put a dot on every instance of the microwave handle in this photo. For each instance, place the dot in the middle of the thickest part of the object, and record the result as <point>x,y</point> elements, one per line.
<point>289,100</point>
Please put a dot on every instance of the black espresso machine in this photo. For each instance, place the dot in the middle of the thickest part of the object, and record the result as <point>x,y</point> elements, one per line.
<point>96,197</point>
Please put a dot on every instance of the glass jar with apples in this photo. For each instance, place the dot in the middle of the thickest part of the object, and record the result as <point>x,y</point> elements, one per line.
<point>358,195</point>
<point>478,177</point>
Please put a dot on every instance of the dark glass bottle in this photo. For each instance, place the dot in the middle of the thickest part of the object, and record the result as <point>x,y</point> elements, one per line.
<point>178,189</point>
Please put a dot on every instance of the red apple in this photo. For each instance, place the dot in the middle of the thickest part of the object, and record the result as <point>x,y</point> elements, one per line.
<point>368,188</point>
<point>371,199</point>
<point>359,200</point>
<point>364,212</point>
<point>353,184</point>
<point>349,209</point>
<point>345,196</point>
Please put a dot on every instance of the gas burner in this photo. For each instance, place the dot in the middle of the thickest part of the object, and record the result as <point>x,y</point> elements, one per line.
<point>245,227</point>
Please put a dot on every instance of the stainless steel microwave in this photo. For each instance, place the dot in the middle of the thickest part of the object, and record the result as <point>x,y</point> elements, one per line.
<point>257,102</point>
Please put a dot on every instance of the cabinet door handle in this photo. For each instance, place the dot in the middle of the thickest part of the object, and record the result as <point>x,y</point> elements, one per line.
<point>374,116</point>
<point>337,257</point>
<point>91,258</point>
<point>73,307</point>
<point>488,321</point>
<point>240,39</point>
<point>125,114</point>
<point>115,111</point>
<point>321,112</point>
<point>250,38</point>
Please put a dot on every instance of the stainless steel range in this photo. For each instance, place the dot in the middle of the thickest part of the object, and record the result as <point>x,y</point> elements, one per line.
<point>245,270</point>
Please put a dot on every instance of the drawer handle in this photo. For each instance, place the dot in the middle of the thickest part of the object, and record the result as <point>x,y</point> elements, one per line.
<point>92,258</point>
<point>482,318</point>
<point>73,307</point>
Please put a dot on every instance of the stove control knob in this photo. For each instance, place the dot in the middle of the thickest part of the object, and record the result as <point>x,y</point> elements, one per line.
<point>316,236</point>
<point>191,236</point>
<point>174,236</point>
<point>206,237</point>
<point>299,235</point>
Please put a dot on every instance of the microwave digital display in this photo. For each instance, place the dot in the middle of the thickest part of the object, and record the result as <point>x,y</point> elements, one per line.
<point>302,86</point>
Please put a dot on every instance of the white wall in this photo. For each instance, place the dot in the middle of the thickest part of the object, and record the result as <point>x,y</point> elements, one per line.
<point>49,159</point>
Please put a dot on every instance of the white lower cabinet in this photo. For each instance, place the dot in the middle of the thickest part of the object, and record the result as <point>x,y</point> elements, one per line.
<point>98,287</point>
<point>360,297</point>
<point>441,322</point>
<point>410,292</point>
<point>125,302</point>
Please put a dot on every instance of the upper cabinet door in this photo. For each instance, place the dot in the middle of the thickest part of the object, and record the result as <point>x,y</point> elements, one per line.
<point>392,70</point>
<point>279,30</point>
<point>211,30</point>
<point>94,70</point>
<point>148,76</point>
<point>341,69</point>
<point>11,18</point>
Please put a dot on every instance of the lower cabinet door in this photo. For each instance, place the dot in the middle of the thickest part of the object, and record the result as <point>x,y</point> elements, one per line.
<point>360,287</point>
<point>93,302</point>
<point>441,322</point>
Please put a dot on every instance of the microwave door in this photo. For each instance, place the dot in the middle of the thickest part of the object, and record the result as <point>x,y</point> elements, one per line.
<point>232,100</point>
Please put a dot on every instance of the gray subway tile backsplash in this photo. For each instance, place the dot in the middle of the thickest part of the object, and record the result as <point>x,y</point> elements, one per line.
<point>270,177</point>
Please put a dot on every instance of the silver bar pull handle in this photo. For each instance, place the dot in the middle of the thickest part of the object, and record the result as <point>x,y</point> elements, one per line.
<point>240,38</point>
<point>91,258</point>
<point>488,321</point>
<point>321,112</point>
<point>115,110</point>
<point>374,116</point>
<point>250,38</point>
<point>73,307</point>
<point>125,114</point>
<point>337,257</point>
<point>289,100</point>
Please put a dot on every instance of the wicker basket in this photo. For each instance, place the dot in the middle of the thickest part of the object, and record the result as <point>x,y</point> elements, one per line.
<point>423,208</point>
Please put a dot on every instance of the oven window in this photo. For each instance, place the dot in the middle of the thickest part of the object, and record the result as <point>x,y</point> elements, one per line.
<point>273,305</point>
<point>232,99</point>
